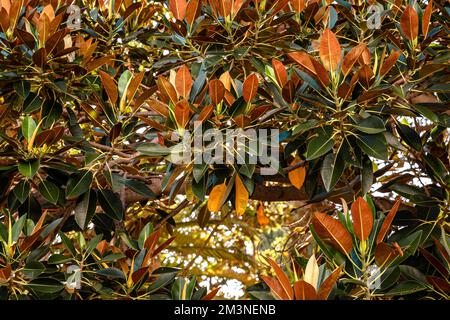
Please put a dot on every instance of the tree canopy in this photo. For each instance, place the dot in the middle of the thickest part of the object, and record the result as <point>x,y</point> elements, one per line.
<point>345,102</point>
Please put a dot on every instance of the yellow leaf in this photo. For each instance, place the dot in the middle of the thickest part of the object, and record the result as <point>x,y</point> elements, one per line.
<point>241,196</point>
<point>215,197</point>
<point>298,175</point>
<point>262,218</point>
<point>312,272</point>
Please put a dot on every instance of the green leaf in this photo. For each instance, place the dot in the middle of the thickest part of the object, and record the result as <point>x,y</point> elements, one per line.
<point>17,227</point>
<point>22,191</point>
<point>162,280</point>
<point>321,144</point>
<point>332,168</point>
<point>366,175</point>
<point>32,103</point>
<point>124,81</point>
<point>410,136</point>
<point>140,188</point>
<point>68,244</point>
<point>22,88</point>
<point>199,171</point>
<point>406,287</point>
<point>412,273</point>
<point>373,145</point>
<point>85,208</point>
<point>49,191</point>
<point>110,202</point>
<point>177,288</point>
<point>46,285</point>
<point>58,259</point>
<point>389,278</point>
<point>33,269</point>
<point>247,170</point>
<point>78,184</point>
<point>145,232</point>
<point>28,127</point>
<point>436,166</point>
<point>371,125</point>
<point>93,244</point>
<point>153,149</point>
<point>305,126</point>
<point>29,168</point>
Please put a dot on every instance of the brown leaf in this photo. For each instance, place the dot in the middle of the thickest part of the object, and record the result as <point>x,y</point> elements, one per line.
<point>135,82</point>
<point>236,7</point>
<point>435,262</point>
<point>167,90</point>
<point>178,8</point>
<point>304,291</point>
<point>303,59</point>
<point>159,107</point>
<point>365,75</point>
<point>364,58</point>
<point>5,273</point>
<point>250,87</point>
<point>351,57</point>
<point>193,11</point>
<point>110,87</point>
<point>183,82</point>
<point>282,278</point>
<point>182,113</point>
<point>54,40</point>
<point>225,7</point>
<point>40,57</point>
<point>14,12</point>
<point>387,222</point>
<point>439,283</point>
<point>390,62</point>
<point>362,218</point>
<point>138,274</point>
<point>280,72</point>
<point>426,18</point>
<point>332,231</point>
<point>24,36</point>
<point>211,294</point>
<point>43,28</point>
<point>442,250</point>
<point>311,65</point>
<point>242,120</point>
<point>203,217</point>
<point>288,91</point>
<point>216,91</point>
<point>327,285</point>
<point>4,21</point>
<point>409,23</point>
<point>298,5</point>
<point>330,50</point>
<point>276,288</point>
<point>94,64</point>
<point>205,113</point>
<point>384,254</point>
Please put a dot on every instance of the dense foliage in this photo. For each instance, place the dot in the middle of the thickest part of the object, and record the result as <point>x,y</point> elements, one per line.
<point>94,93</point>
